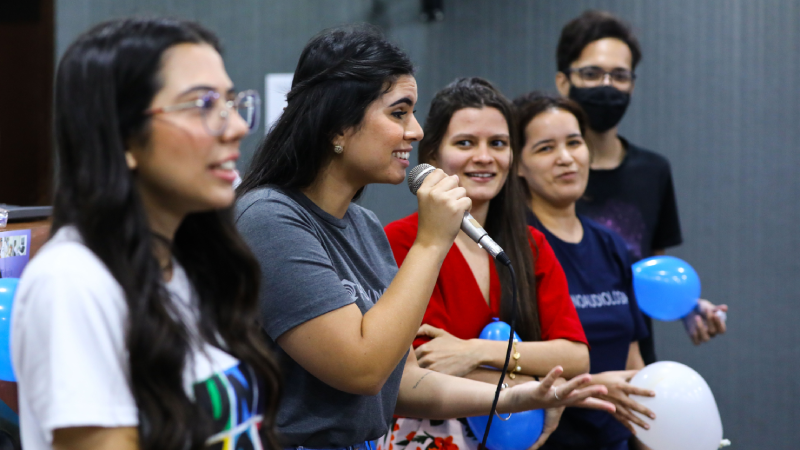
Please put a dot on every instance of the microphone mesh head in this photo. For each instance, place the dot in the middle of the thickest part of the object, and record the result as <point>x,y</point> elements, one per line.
<point>417,176</point>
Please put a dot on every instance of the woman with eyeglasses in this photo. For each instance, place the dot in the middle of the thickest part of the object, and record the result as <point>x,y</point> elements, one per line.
<point>338,311</point>
<point>134,327</point>
<point>554,163</point>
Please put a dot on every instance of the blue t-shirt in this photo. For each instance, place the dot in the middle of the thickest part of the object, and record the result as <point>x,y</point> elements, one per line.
<point>600,283</point>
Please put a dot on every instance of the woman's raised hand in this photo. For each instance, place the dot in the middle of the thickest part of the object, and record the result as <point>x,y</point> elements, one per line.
<point>578,391</point>
<point>619,389</point>
<point>442,203</point>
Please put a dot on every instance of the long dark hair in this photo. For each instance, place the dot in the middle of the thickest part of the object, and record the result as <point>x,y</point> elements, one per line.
<point>105,81</point>
<point>505,221</point>
<point>340,73</point>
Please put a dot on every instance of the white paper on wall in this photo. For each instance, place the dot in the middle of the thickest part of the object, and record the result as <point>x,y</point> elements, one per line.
<point>277,85</point>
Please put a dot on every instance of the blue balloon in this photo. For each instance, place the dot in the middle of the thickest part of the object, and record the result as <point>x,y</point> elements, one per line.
<point>8,286</point>
<point>521,430</point>
<point>498,331</point>
<point>517,433</point>
<point>667,288</point>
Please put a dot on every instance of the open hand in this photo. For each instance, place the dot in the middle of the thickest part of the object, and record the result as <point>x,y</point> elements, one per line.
<point>619,389</point>
<point>446,353</point>
<point>578,391</point>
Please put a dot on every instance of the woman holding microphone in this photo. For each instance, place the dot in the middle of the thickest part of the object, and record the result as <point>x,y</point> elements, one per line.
<point>340,313</point>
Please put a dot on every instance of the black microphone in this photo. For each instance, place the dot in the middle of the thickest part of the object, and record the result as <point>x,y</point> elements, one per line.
<point>469,225</point>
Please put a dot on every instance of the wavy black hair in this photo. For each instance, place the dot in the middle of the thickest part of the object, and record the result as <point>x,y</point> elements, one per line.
<point>505,221</point>
<point>105,83</point>
<point>341,71</point>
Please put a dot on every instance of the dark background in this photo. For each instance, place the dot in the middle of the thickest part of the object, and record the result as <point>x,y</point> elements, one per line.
<point>717,94</point>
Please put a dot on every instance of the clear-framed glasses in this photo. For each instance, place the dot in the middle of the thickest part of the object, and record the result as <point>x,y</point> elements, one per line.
<point>216,112</point>
<point>596,75</point>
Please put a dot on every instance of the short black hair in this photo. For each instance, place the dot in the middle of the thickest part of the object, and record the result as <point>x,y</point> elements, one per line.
<point>592,26</point>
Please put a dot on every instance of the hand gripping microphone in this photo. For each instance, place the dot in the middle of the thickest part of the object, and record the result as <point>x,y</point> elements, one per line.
<point>469,225</point>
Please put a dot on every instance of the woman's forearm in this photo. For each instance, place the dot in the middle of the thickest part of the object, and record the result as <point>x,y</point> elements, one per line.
<point>96,438</point>
<point>492,376</point>
<point>635,360</point>
<point>357,353</point>
<point>426,394</point>
<point>389,328</point>
<point>538,358</point>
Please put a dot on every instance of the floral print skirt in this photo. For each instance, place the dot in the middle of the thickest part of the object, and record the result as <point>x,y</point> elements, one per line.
<point>423,434</point>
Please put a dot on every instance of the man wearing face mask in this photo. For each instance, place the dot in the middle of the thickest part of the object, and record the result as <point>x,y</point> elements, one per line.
<point>630,189</point>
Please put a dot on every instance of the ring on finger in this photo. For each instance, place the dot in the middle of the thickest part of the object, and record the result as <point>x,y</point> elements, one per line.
<point>555,392</point>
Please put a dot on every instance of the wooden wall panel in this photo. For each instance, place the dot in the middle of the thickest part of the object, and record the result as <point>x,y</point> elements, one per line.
<point>26,72</point>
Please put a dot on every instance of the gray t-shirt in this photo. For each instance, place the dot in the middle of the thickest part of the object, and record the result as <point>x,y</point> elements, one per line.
<point>313,263</point>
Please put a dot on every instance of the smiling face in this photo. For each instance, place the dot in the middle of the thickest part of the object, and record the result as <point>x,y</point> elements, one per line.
<point>555,159</point>
<point>181,167</point>
<point>477,148</point>
<point>377,150</point>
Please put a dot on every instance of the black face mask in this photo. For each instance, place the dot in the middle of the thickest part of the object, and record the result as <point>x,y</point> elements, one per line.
<point>603,105</point>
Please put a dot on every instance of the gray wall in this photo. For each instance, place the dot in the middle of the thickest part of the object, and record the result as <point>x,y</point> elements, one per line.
<point>717,94</point>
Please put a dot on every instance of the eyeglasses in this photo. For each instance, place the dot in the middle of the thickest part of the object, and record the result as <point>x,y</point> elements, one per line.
<point>216,114</point>
<point>594,74</point>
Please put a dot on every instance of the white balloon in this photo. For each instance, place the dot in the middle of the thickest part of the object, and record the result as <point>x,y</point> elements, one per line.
<point>687,417</point>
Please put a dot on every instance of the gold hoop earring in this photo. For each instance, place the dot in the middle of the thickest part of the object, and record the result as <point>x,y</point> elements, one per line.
<point>338,149</point>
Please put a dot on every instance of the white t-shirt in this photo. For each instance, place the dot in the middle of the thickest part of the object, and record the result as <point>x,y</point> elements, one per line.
<point>69,354</point>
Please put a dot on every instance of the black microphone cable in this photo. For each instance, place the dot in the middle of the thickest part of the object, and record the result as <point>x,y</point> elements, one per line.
<point>415,179</point>
<point>507,262</point>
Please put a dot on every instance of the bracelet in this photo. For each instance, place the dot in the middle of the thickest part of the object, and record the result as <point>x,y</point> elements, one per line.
<point>502,386</point>
<point>516,368</point>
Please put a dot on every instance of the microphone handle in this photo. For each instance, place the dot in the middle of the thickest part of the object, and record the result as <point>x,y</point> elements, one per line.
<point>476,232</point>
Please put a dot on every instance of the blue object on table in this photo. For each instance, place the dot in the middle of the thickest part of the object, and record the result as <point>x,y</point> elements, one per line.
<point>667,288</point>
<point>8,287</point>
<point>520,431</point>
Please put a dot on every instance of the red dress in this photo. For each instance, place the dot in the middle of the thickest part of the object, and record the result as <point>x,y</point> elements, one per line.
<point>458,306</point>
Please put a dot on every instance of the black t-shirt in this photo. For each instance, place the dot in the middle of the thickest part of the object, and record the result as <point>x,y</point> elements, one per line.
<point>637,200</point>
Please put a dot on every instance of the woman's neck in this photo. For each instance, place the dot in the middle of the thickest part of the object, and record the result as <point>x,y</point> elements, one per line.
<point>164,222</point>
<point>607,149</point>
<point>562,221</point>
<point>331,192</point>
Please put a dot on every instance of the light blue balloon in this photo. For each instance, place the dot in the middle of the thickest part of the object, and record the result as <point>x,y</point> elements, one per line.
<point>520,431</point>
<point>8,287</point>
<point>667,288</point>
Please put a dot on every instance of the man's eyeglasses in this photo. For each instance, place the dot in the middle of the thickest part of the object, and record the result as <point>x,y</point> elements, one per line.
<point>216,113</point>
<point>594,74</point>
